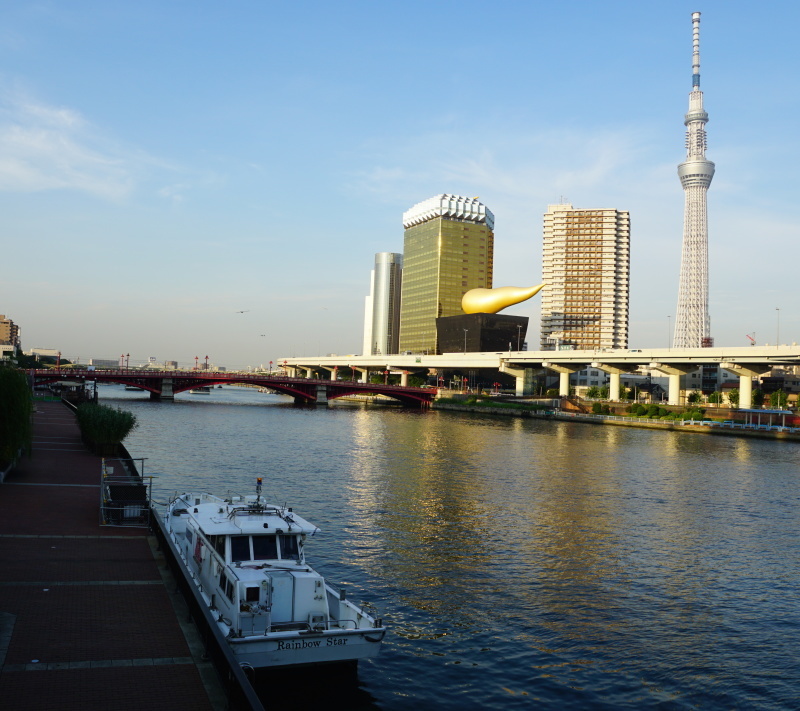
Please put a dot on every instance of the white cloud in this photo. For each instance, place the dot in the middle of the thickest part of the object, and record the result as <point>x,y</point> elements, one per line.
<point>54,148</point>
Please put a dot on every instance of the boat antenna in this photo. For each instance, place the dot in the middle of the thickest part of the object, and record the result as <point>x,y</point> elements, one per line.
<point>258,489</point>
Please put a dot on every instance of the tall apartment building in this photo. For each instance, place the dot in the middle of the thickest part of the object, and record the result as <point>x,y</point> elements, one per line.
<point>586,270</point>
<point>448,249</point>
<point>9,332</point>
<point>382,306</point>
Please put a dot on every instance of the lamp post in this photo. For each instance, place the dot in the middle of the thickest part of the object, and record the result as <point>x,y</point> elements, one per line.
<point>519,335</point>
<point>669,332</point>
<point>778,327</point>
<point>122,360</point>
<point>127,361</point>
<point>206,362</point>
<point>195,362</point>
<point>465,339</point>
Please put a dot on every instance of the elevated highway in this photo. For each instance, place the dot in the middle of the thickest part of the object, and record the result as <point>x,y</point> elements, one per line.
<point>746,362</point>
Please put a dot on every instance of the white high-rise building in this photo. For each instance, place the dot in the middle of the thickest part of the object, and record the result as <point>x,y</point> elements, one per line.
<point>692,322</point>
<point>586,271</point>
<point>382,306</point>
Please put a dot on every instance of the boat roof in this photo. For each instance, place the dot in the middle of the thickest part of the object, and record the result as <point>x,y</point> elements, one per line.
<point>221,517</point>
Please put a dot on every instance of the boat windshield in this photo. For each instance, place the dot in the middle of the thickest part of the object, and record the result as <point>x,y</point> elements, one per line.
<point>264,548</point>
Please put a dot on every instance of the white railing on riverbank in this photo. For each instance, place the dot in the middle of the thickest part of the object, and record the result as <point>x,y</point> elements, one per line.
<point>670,423</point>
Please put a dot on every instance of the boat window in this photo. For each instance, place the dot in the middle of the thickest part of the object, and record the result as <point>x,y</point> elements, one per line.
<point>218,544</point>
<point>240,548</point>
<point>228,589</point>
<point>265,548</point>
<point>251,594</point>
<point>289,547</point>
<point>188,535</point>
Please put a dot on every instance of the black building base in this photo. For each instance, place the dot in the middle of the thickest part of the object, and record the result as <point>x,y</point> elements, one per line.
<point>479,333</point>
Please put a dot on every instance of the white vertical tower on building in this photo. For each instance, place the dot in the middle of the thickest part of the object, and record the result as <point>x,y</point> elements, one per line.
<point>382,306</point>
<point>692,322</point>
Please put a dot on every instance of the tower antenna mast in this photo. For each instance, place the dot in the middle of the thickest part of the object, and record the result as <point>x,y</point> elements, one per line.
<point>692,322</point>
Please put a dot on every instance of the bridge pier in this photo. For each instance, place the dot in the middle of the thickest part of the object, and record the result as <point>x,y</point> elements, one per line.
<point>322,395</point>
<point>564,371</point>
<point>614,374</point>
<point>746,376</point>
<point>166,391</point>
<point>674,373</point>
<point>524,377</point>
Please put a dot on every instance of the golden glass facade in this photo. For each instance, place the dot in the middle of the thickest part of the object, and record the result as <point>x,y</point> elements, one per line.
<point>443,258</point>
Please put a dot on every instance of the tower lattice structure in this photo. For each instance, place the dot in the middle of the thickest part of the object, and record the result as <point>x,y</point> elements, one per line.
<point>692,323</point>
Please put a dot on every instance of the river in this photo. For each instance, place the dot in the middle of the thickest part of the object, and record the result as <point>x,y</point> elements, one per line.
<point>519,563</point>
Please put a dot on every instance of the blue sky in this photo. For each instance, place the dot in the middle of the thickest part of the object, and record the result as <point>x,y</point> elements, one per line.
<point>164,165</point>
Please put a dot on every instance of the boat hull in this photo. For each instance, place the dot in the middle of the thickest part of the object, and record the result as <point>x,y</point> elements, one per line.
<point>302,649</point>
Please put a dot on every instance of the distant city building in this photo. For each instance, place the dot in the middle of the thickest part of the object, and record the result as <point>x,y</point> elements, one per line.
<point>382,306</point>
<point>448,249</point>
<point>692,321</point>
<point>170,365</point>
<point>105,363</point>
<point>49,352</point>
<point>9,332</point>
<point>586,271</point>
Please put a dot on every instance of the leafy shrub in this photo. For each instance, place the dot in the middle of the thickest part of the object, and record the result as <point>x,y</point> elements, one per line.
<point>597,408</point>
<point>103,427</point>
<point>16,408</point>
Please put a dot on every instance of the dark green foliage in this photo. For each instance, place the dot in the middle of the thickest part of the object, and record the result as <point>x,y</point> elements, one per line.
<point>597,408</point>
<point>552,392</point>
<point>593,392</point>
<point>733,397</point>
<point>606,409</point>
<point>104,427</point>
<point>758,398</point>
<point>652,411</point>
<point>715,398</point>
<point>694,397</point>
<point>15,414</point>
<point>778,399</point>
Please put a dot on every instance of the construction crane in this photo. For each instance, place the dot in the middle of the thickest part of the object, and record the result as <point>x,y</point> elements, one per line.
<point>752,340</point>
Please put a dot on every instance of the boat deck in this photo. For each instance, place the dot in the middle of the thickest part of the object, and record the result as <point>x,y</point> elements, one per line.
<point>88,617</point>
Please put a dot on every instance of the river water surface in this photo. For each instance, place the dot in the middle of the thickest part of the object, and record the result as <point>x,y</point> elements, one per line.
<point>520,563</point>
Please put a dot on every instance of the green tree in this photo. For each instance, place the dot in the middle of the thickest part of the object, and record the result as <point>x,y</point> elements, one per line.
<point>626,394</point>
<point>552,392</point>
<point>733,397</point>
<point>715,398</point>
<point>597,408</point>
<point>16,408</point>
<point>758,398</point>
<point>694,397</point>
<point>604,392</point>
<point>778,399</point>
<point>593,392</point>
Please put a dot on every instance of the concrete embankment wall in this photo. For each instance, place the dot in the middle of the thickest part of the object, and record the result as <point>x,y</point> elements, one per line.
<point>619,421</point>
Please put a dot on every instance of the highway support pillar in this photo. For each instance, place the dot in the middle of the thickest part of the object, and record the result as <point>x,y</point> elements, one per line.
<point>364,373</point>
<point>309,372</point>
<point>322,395</point>
<point>674,373</point>
<point>746,375</point>
<point>404,378</point>
<point>525,379</point>
<point>614,372</point>
<point>564,371</point>
<point>334,371</point>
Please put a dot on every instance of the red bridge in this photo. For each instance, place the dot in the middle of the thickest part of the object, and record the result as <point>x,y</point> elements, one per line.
<point>164,385</point>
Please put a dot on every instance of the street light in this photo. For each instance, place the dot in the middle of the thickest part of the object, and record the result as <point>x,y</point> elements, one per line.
<point>195,362</point>
<point>669,332</point>
<point>778,327</point>
<point>465,339</point>
<point>519,335</point>
<point>127,360</point>
<point>206,362</point>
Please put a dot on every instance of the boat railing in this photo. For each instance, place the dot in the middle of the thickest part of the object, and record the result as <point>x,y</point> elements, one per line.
<point>124,493</point>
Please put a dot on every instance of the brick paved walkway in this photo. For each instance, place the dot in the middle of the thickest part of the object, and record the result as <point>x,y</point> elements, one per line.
<point>88,619</point>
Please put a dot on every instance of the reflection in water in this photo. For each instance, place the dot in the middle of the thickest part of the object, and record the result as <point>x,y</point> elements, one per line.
<point>524,561</point>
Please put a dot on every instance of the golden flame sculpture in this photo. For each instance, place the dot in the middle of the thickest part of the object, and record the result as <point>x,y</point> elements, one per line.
<point>490,301</point>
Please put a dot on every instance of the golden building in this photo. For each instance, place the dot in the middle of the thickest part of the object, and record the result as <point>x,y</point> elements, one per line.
<point>448,249</point>
<point>586,270</point>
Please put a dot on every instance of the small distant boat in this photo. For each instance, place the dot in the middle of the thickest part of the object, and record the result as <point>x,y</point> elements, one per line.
<point>202,390</point>
<point>133,387</point>
<point>247,559</point>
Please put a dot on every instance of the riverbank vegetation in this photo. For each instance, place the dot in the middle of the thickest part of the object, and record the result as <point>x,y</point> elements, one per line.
<point>16,408</point>
<point>103,428</point>
<point>484,401</point>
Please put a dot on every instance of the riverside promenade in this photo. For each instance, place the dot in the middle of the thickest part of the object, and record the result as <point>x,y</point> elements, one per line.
<point>89,615</point>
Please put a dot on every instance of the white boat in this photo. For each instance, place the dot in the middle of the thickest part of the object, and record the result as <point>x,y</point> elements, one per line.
<point>201,390</point>
<point>247,559</point>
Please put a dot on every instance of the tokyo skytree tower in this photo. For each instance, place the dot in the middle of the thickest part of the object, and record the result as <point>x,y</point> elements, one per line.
<point>692,323</point>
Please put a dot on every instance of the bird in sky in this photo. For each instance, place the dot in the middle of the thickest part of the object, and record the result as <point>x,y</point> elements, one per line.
<point>243,312</point>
